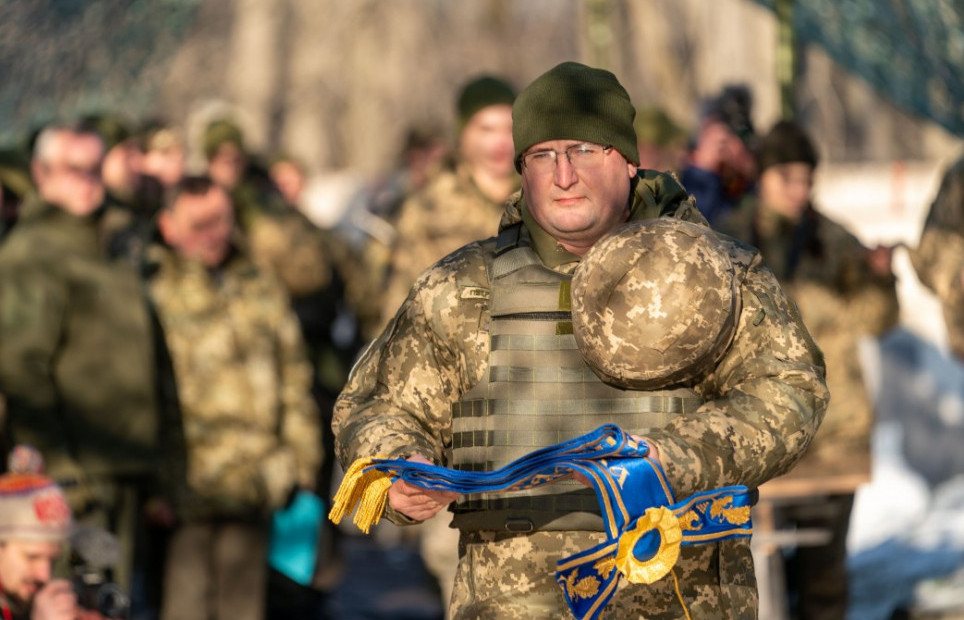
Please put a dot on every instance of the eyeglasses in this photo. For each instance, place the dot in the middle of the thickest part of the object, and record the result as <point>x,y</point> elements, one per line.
<point>581,156</point>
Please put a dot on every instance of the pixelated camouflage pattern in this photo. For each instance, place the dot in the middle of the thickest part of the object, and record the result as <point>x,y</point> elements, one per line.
<point>764,399</point>
<point>939,256</point>
<point>294,250</point>
<point>448,213</point>
<point>503,576</point>
<point>251,428</point>
<point>655,303</point>
<point>76,350</point>
<point>841,301</point>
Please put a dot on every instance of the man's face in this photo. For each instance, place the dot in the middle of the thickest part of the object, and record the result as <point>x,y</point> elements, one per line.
<point>165,164</point>
<point>25,566</point>
<point>122,168</point>
<point>786,188</point>
<point>227,165</point>
<point>486,140</point>
<point>289,179</point>
<point>578,207</point>
<point>199,227</point>
<point>70,176</point>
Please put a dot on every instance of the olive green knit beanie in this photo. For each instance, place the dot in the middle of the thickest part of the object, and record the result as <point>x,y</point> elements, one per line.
<point>221,132</point>
<point>574,102</point>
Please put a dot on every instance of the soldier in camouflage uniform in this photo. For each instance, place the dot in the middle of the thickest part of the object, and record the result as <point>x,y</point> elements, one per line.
<point>939,256</point>
<point>844,292</point>
<point>465,351</point>
<point>251,428</point>
<point>463,201</point>
<point>76,345</point>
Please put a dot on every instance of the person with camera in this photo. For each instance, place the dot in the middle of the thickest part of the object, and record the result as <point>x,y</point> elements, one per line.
<point>35,521</point>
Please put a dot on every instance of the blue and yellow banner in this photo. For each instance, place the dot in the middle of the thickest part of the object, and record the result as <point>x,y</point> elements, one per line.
<point>645,525</point>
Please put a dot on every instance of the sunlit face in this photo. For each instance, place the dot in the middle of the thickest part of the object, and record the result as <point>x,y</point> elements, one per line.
<point>227,165</point>
<point>199,227</point>
<point>786,188</point>
<point>122,168</point>
<point>578,207</point>
<point>289,179</point>
<point>165,164</point>
<point>70,175</point>
<point>25,566</point>
<point>486,140</point>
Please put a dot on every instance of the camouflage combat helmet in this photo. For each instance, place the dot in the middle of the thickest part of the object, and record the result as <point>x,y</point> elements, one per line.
<point>655,303</point>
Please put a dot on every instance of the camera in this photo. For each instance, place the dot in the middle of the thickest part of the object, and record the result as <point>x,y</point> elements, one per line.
<point>93,552</point>
<point>95,593</point>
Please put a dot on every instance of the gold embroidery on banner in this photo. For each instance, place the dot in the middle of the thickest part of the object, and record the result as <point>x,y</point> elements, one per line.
<point>690,521</point>
<point>737,515</point>
<point>605,566</point>
<point>587,587</point>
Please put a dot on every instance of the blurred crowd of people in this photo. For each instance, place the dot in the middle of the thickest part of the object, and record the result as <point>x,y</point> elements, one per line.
<point>172,340</point>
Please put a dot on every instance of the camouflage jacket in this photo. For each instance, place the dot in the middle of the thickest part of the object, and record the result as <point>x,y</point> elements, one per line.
<point>251,428</point>
<point>76,350</point>
<point>939,256</point>
<point>764,400</point>
<point>825,271</point>
<point>451,211</point>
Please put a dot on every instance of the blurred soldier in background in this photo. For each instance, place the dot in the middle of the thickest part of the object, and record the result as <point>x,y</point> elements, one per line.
<point>844,292</point>
<point>939,257</point>
<point>251,427</point>
<point>133,198</point>
<point>163,152</point>
<point>76,345</point>
<point>721,167</point>
<point>371,232</point>
<point>662,143</point>
<point>464,201</point>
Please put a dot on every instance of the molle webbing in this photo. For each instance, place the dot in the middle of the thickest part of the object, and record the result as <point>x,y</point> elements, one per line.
<point>538,391</point>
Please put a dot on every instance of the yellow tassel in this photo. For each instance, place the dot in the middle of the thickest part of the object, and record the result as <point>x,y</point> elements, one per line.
<point>366,489</point>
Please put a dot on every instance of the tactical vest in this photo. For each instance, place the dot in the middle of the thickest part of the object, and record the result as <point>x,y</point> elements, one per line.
<point>538,391</point>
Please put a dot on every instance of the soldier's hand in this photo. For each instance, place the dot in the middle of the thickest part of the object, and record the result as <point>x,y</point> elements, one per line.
<point>879,259</point>
<point>55,601</point>
<point>653,450</point>
<point>414,501</point>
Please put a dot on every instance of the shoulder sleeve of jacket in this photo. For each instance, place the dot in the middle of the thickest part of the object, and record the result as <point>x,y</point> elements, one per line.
<point>660,194</point>
<point>765,398</point>
<point>398,397</point>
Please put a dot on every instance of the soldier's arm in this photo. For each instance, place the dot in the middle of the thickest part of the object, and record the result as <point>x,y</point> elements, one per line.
<point>398,399</point>
<point>765,399</point>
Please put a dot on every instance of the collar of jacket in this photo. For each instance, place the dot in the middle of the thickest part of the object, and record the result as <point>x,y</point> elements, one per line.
<point>651,194</point>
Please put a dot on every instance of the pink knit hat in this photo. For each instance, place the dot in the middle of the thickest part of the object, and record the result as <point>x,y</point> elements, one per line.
<point>32,506</point>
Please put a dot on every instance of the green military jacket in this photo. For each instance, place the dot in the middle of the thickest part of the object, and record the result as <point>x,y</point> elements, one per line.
<point>825,270</point>
<point>76,349</point>
<point>939,256</point>
<point>764,400</point>
<point>251,429</point>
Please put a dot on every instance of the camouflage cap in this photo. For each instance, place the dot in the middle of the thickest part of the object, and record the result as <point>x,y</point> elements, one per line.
<point>220,132</point>
<point>655,303</point>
